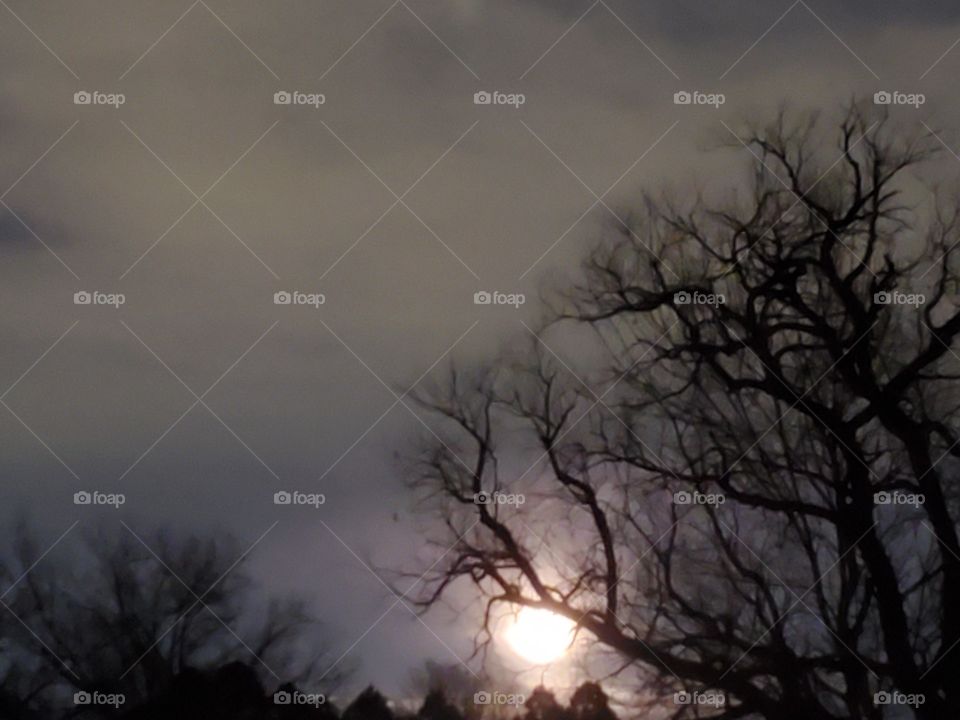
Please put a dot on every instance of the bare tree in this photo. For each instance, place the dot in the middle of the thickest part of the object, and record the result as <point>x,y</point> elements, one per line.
<point>754,494</point>
<point>130,615</point>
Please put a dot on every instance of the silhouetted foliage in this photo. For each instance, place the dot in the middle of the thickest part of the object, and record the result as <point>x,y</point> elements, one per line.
<point>436,707</point>
<point>457,685</point>
<point>231,691</point>
<point>368,705</point>
<point>542,705</point>
<point>234,692</point>
<point>590,702</point>
<point>125,619</point>
<point>176,628</point>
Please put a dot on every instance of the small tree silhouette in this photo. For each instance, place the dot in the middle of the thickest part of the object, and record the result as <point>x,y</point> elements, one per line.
<point>437,707</point>
<point>590,702</point>
<point>542,705</point>
<point>368,705</point>
<point>457,685</point>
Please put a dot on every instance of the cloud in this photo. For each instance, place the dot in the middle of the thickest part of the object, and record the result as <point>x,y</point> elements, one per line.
<point>314,200</point>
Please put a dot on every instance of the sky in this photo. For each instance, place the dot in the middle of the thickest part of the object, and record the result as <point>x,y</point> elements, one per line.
<point>397,198</point>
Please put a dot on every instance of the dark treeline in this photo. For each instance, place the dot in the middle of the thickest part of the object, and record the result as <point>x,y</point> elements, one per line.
<point>142,627</point>
<point>235,692</point>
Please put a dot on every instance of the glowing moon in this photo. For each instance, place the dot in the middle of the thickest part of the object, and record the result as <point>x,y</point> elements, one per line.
<point>539,636</point>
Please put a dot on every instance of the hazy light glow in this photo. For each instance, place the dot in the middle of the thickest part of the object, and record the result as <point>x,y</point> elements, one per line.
<point>539,636</point>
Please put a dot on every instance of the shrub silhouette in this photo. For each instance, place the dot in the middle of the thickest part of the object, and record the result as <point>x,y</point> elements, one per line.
<point>437,707</point>
<point>368,705</point>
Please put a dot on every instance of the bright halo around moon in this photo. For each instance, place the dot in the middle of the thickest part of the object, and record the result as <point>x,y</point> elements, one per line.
<point>539,636</point>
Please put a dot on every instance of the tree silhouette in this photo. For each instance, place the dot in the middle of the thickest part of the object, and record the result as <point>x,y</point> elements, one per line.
<point>457,685</point>
<point>543,705</point>
<point>754,495</point>
<point>589,702</point>
<point>368,705</point>
<point>437,707</point>
<point>169,625</point>
<point>230,691</point>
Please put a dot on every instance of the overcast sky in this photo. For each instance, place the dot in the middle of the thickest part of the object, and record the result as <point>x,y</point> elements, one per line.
<point>398,199</point>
